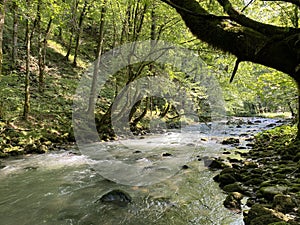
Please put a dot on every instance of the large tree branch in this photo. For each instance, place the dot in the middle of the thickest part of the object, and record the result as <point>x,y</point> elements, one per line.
<point>241,19</point>
<point>249,40</point>
<point>295,2</point>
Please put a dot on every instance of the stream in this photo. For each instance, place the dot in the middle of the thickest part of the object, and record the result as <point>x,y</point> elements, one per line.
<point>165,175</point>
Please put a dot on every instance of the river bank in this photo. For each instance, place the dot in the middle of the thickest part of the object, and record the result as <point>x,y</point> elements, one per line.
<point>267,179</point>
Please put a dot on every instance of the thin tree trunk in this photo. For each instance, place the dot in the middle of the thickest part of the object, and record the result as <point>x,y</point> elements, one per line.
<point>69,46</point>
<point>15,35</point>
<point>80,25</point>
<point>73,28</point>
<point>42,57</point>
<point>40,50</point>
<point>2,20</point>
<point>27,81</point>
<point>92,97</point>
<point>298,113</point>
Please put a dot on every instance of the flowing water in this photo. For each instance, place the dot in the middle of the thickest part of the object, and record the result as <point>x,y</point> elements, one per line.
<point>62,188</point>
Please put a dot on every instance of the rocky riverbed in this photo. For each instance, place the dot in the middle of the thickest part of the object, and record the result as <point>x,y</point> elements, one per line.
<point>265,184</point>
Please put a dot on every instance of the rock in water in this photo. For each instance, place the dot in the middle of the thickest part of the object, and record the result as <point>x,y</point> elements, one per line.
<point>117,197</point>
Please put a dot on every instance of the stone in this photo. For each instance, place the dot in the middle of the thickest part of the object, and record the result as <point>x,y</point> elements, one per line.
<point>284,203</point>
<point>166,154</point>
<point>184,167</point>
<point>116,197</point>
<point>230,141</point>
<point>235,187</point>
<point>215,164</point>
<point>233,201</point>
<point>260,215</point>
<point>226,178</point>
<point>270,191</point>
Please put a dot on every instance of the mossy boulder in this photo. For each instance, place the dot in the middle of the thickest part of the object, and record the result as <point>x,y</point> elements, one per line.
<point>270,191</point>
<point>226,179</point>
<point>284,203</point>
<point>235,187</point>
<point>260,215</point>
<point>230,141</point>
<point>216,163</point>
<point>233,201</point>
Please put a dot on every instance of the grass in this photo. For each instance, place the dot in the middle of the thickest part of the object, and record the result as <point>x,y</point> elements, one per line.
<point>283,115</point>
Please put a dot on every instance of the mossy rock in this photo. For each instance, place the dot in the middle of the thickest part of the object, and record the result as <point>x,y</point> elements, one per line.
<point>3,155</point>
<point>235,187</point>
<point>233,201</point>
<point>230,141</point>
<point>254,181</point>
<point>226,179</point>
<point>215,164</point>
<point>284,203</point>
<point>265,220</point>
<point>270,191</point>
<point>260,215</point>
<point>232,171</point>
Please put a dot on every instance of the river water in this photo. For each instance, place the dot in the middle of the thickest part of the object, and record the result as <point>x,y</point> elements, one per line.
<point>62,188</point>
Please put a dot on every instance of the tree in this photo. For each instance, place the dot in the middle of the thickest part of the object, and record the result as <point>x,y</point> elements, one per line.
<point>250,40</point>
<point>27,80</point>
<point>2,19</point>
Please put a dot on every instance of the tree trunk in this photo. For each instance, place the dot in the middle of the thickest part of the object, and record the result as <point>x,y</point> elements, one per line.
<point>27,81</point>
<point>2,20</point>
<point>42,57</point>
<point>79,31</point>
<point>93,93</point>
<point>15,35</point>
<point>272,46</point>
<point>298,114</point>
<point>69,45</point>
<point>40,50</point>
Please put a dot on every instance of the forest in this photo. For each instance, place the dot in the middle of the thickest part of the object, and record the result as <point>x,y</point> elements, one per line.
<point>248,49</point>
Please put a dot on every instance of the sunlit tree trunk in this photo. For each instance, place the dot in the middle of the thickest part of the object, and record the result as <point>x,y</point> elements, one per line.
<point>2,19</point>
<point>73,24</point>
<point>98,60</point>
<point>79,31</point>
<point>40,50</point>
<point>15,34</point>
<point>27,81</point>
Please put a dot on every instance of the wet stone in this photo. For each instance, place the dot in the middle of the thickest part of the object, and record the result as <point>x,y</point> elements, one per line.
<point>230,141</point>
<point>116,197</point>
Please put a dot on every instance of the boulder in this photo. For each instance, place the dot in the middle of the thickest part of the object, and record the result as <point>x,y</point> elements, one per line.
<point>270,191</point>
<point>233,201</point>
<point>230,141</point>
<point>284,203</point>
<point>260,215</point>
<point>235,187</point>
<point>116,197</point>
<point>225,179</point>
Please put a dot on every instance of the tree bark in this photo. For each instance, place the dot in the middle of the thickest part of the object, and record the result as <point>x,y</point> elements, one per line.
<point>40,50</point>
<point>2,20</point>
<point>42,57</point>
<point>249,40</point>
<point>79,31</point>
<point>27,81</point>
<point>93,93</point>
<point>15,34</point>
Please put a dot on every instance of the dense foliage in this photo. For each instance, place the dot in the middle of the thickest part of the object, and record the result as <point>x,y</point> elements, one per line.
<point>48,44</point>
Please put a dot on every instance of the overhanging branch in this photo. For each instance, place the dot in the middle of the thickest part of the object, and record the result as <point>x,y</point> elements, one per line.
<point>265,29</point>
<point>295,2</point>
<point>206,15</point>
